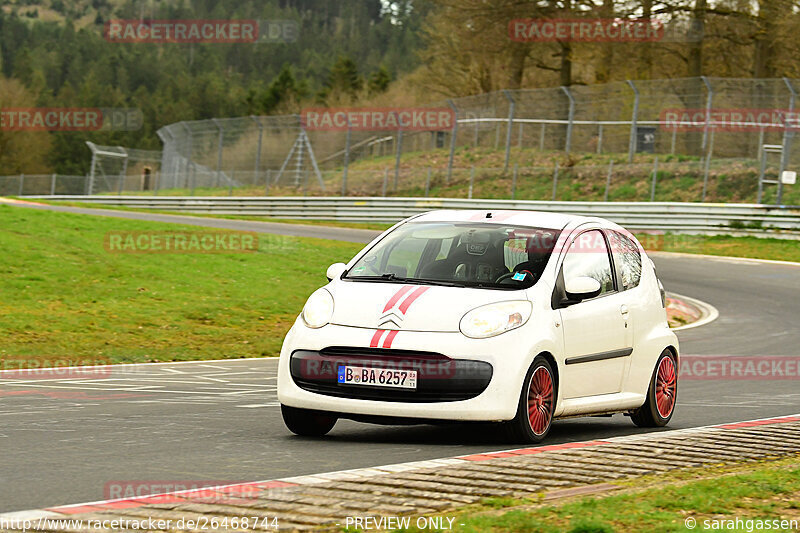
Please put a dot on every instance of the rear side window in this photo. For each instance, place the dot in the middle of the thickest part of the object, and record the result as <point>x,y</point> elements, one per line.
<point>627,259</point>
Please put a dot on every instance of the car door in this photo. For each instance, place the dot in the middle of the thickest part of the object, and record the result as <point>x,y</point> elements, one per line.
<point>596,341</point>
<point>628,269</point>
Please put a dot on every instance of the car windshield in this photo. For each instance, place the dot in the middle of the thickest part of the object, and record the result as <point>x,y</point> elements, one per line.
<point>493,256</point>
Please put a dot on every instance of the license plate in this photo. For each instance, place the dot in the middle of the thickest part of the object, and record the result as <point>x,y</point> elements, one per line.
<point>377,377</point>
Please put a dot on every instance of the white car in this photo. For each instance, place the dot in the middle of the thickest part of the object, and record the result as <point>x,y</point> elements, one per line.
<point>517,317</point>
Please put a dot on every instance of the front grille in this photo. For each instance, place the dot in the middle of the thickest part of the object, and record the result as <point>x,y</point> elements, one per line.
<point>439,378</point>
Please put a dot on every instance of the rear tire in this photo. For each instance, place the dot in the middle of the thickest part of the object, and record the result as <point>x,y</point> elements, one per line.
<point>536,405</point>
<point>661,396</point>
<point>306,422</point>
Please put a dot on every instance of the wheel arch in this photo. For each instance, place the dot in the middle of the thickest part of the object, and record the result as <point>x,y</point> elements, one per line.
<point>554,365</point>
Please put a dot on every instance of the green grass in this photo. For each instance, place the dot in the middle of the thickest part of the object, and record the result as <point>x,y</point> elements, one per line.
<point>766,492</point>
<point>724,245</point>
<point>65,298</point>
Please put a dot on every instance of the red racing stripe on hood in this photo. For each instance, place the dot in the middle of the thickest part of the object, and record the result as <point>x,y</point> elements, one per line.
<point>419,291</point>
<point>399,294</point>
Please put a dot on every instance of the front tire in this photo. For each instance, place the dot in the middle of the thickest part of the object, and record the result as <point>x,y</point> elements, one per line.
<point>661,396</point>
<point>536,404</point>
<point>306,422</point>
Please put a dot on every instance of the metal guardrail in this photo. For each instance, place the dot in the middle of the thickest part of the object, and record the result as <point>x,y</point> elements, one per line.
<point>744,219</point>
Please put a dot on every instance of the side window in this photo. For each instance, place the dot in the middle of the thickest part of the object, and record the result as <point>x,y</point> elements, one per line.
<point>627,259</point>
<point>588,256</point>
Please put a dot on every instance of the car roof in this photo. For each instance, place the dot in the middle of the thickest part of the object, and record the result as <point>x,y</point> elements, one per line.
<point>534,219</point>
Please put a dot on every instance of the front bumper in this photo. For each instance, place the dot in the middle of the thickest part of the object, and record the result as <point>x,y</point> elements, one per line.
<point>439,378</point>
<point>487,374</point>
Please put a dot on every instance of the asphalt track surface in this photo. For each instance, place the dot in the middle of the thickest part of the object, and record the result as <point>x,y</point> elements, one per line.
<point>76,439</point>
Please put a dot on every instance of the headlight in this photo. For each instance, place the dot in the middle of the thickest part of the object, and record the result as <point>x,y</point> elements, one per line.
<point>494,319</point>
<point>318,309</point>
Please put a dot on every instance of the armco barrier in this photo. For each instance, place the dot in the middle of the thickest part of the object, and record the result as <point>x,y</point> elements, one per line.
<point>749,219</point>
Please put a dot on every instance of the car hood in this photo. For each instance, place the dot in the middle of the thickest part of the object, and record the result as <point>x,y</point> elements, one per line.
<point>404,307</point>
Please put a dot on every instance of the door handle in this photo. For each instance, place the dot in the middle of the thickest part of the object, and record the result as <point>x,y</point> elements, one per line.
<point>623,309</point>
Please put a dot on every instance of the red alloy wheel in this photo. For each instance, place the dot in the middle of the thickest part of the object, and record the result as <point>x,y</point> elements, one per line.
<point>540,400</point>
<point>666,387</point>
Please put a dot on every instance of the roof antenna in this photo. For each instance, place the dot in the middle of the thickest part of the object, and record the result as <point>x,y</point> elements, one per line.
<point>488,215</point>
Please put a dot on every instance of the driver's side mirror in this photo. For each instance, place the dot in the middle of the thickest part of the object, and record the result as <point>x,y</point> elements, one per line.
<point>335,271</point>
<point>582,288</point>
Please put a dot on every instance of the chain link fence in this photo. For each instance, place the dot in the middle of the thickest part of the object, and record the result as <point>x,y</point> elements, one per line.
<point>612,141</point>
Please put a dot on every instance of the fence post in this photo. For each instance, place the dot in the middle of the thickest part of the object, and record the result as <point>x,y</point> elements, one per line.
<point>708,162</point>
<point>347,157</point>
<point>53,185</point>
<point>475,132</point>
<point>511,105</point>
<point>519,139</point>
<point>541,136</point>
<point>258,150</point>
<point>90,181</point>
<point>514,181</point>
<point>788,134</point>
<point>655,177</point>
<point>600,139</point>
<point>219,151</point>
<point>385,179</point>
<point>453,136</point>
<point>608,179</point>
<point>555,181</point>
<point>709,99</point>
<point>124,171</point>
<point>570,118</point>
<point>760,141</point>
<point>428,182</point>
<point>21,184</point>
<point>471,181</point>
<point>397,159</point>
<point>674,135</point>
<point>763,169</point>
<point>634,119</point>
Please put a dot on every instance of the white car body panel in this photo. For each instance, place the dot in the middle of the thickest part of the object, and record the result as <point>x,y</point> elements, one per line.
<point>431,323</point>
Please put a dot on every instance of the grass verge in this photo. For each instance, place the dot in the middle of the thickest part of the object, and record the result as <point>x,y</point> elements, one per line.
<point>663,503</point>
<point>65,298</point>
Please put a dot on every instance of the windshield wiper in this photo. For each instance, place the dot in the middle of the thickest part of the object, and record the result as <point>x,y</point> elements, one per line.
<point>391,277</point>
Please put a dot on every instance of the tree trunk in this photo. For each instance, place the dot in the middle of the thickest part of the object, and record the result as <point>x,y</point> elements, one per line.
<point>519,53</point>
<point>565,72</point>
<point>697,31</point>
<point>603,71</point>
<point>764,39</point>
<point>646,71</point>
